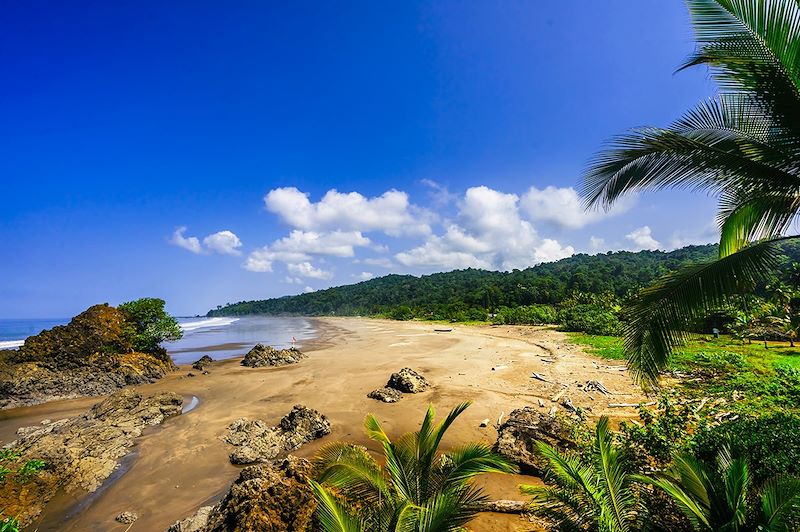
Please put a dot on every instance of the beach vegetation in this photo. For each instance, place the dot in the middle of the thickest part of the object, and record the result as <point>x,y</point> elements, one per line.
<point>148,324</point>
<point>739,146</point>
<point>419,488</point>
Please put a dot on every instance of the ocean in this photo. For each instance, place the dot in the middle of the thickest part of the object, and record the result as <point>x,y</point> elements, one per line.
<point>217,337</point>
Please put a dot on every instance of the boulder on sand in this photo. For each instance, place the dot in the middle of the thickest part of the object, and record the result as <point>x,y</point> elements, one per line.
<point>387,395</point>
<point>81,452</point>
<point>256,441</point>
<point>274,496</point>
<point>202,363</point>
<point>408,381</point>
<point>263,355</point>
<point>517,436</point>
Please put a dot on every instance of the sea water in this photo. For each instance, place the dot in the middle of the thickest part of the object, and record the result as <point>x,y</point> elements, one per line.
<point>217,337</point>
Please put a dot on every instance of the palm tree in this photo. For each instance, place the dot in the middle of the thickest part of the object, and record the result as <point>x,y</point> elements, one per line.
<point>743,145</point>
<point>419,489</point>
<point>594,494</point>
<point>715,496</point>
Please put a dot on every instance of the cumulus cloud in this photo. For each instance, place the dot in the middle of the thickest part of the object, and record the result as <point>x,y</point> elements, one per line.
<point>335,243</point>
<point>308,270</point>
<point>642,238</point>
<point>562,207</point>
<point>597,244</point>
<point>709,233</point>
<point>366,276</point>
<point>391,212</point>
<point>440,195</point>
<point>489,233</point>
<point>190,243</point>
<point>308,290</point>
<point>223,242</point>
<point>383,262</point>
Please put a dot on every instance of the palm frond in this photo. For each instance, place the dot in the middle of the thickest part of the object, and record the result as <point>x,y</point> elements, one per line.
<point>657,319</point>
<point>474,459</point>
<point>333,515</point>
<point>746,217</point>
<point>779,498</point>
<point>352,470</point>
<point>613,476</point>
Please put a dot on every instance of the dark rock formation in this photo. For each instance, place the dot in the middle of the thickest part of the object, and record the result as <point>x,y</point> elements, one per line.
<point>387,395</point>
<point>81,452</point>
<point>92,355</point>
<point>264,355</point>
<point>255,441</point>
<point>408,381</point>
<point>126,518</point>
<point>273,496</point>
<point>517,436</point>
<point>202,363</point>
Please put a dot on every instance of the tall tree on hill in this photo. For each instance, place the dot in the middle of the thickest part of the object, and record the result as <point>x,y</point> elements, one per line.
<point>743,145</point>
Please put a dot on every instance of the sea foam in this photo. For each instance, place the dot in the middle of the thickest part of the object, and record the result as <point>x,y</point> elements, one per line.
<point>11,344</point>
<point>207,323</point>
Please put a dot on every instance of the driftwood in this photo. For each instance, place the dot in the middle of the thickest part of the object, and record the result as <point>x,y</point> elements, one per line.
<point>541,403</point>
<point>630,405</point>
<point>560,394</point>
<point>597,386</point>
<point>539,377</point>
<point>567,403</point>
<point>504,506</point>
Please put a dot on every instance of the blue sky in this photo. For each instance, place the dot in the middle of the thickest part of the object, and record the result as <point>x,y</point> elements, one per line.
<point>304,145</point>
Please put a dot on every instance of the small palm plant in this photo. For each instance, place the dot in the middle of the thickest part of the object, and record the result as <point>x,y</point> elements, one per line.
<point>419,489</point>
<point>716,496</point>
<point>588,494</point>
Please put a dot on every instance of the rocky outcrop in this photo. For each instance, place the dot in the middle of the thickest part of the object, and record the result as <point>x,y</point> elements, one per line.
<point>408,381</point>
<point>92,355</point>
<point>263,355</point>
<point>202,363</point>
<point>274,496</point>
<point>81,452</point>
<point>517,436</point>
<point>256,441</point>
<point>387,395</point>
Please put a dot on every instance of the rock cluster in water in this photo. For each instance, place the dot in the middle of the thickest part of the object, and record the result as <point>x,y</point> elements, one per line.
<point>404,381</point>
<point>92,355</point>
<point>256,441</point>
<point>81,452</point>
<point>274,496</point>
<point>264,355</point>
<point>516,438</point>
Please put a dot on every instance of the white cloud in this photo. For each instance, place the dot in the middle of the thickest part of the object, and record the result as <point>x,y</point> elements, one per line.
<point>223,242</point>
<point>597,244</point>
<point>336,243</point>
<point>562,207</point>
<point>293,280</point>
<point>306,269</point>
<point>308,290</point>
<point>707,234</point>
<point>366,276</point>
<point>189,243</point>
<point>489,233</point>
<point>390,212</point>
<point>259,260</point>
<point>642,238</point>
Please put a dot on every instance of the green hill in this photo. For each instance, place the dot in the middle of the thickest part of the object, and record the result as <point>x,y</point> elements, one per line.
<point>442,294</point>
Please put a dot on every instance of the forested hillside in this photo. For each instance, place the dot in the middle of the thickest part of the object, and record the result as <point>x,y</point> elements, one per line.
<point>443,293</point>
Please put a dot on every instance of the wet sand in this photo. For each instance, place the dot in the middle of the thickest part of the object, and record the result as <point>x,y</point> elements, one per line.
<point>183,464</point>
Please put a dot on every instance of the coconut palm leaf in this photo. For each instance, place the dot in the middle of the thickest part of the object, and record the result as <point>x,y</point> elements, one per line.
<point>593,494</point>
<point>779,497</point>
<point>656,319</point>
<point>419,488</point>
<point>333,515</point>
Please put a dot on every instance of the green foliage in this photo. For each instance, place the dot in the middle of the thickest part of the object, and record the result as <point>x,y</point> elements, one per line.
<point>770,442</point>
<point>651,444</point>
<point>594,493</point>
<point>29,469</point>
<point>591,319</point>
<point>718,495</point>
<point>525,315</point>
<point>419,488</point>
<point>9,524</point>
<point>149,324</point>
<point>445,296</point>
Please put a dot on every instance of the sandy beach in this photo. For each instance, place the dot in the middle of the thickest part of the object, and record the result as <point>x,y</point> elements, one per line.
<point>183,464</point>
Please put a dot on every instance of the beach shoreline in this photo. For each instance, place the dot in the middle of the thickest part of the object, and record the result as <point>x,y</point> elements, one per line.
<point>183,464</point>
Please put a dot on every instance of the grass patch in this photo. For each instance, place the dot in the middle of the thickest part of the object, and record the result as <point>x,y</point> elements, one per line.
<point>736,377</point>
